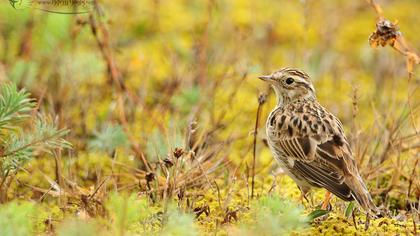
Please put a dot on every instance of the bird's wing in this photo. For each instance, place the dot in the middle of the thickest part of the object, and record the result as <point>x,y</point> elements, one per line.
<point>316,147</point>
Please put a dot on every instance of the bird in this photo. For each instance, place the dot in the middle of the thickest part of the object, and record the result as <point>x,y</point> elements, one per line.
<point>309,142</point>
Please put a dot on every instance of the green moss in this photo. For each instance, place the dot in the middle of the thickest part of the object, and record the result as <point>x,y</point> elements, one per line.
<point>228,214</point>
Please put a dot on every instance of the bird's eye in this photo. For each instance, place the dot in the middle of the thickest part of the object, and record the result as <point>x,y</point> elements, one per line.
<point>289,81</point>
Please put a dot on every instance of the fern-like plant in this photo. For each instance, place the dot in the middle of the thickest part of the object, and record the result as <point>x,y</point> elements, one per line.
<point>23,135</point>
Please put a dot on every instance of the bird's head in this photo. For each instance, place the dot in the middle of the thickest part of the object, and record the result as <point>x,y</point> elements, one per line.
<point>290,85</point>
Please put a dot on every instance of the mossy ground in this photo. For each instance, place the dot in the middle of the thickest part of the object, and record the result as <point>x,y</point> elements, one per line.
<point>224,210</point>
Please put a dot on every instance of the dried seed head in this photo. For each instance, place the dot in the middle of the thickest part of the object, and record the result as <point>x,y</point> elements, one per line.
<point>168,162</point>
<point>262,98</point>
<point>181,193</point>
<point>150,177</point>
<point>386,34</point>
<point>178,152</point>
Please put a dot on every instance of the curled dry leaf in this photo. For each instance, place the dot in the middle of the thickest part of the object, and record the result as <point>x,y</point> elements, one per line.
<point>386,34</point>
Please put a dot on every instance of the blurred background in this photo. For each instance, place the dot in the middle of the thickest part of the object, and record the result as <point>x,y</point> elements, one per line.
<point>134,80</point>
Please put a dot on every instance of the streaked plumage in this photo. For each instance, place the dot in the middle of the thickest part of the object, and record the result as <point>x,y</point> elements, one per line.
<point>309,142</point>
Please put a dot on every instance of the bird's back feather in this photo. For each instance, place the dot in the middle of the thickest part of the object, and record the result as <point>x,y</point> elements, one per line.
<point>310,142</point>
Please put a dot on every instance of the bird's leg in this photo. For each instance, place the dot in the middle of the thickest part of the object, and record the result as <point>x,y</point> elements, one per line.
<point>312,199</point>
<point>303,196</point>
<point>354,220</point>
<point>303,193</point>
<point>326,201</point>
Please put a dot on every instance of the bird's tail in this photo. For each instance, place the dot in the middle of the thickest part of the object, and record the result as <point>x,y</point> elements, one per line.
<point>361,194</point>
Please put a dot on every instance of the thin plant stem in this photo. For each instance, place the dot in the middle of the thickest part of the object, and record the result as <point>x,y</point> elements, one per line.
<point>261,101</point>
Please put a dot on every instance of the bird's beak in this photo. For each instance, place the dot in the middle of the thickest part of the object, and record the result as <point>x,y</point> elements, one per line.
<point>266,78</point>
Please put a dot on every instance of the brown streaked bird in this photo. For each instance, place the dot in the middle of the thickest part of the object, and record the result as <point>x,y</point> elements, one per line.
<point>309,142</point>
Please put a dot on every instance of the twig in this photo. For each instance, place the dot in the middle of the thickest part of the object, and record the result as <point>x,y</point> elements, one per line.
<point>412,177</point>
<point>3,181</point>
<point>261,100</point>
<point>104,47</point>
<point>97,188</point>
<point>219,196</point>
<point>367,222</point>
<point>353,215</point>
<point>58,173</point>
<point>114,74</point>
<point>376,7</point>
<point>387,33</point>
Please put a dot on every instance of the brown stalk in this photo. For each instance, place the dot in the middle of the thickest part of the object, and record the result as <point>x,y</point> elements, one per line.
<point>97,188</point>
<point>376,7</point>
<point>387,33</point>
<point>98,27</point>
<point>203,47</point>
<point>261,101</point>
<point>101,35</point>
<point>219,196</point>
<point>2,184</point>
<point>25,47</point>
<point>58,174</point>
<point>412,178</point>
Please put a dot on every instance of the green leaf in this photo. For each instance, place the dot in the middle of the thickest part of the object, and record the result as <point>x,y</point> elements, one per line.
<point>24,72</point>
<point>15,106</point>
<point>160,144</point>
<point>350,209</point>
<point>316,213</point>
<point>17,219</point>
<point>19,147</point>
<point>178,223</point>
<point>75,227</point>
<point>187,98</point>
<point>126,211</point>
<point>109,138</point>
<point>274,216</point>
